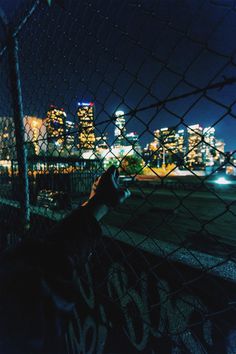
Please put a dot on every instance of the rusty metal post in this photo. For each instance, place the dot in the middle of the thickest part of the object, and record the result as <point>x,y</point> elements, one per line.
<point>16,93</point>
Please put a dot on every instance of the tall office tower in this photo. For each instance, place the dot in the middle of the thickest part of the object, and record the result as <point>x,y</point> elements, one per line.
<point>219,155</point>
<point>35,134</point>
<point>7,139</point>
<point>102,142</point>
<point>208,146</point>
<point>180,151</point>
<point>150,154</point>
<point>194,158</point>
<point>132,139</point>
<point>180,138</point>
<point>70,134</point>
<point>55,126</point>
<point>167,150</point>
<point>120,129</point>
<point>85,113</point>
<point>102,147</point>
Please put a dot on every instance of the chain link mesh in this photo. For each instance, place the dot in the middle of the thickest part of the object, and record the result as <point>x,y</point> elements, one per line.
<point>150,87</point>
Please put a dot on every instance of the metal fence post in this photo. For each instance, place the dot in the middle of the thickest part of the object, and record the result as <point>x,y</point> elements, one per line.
<point>14,73</point>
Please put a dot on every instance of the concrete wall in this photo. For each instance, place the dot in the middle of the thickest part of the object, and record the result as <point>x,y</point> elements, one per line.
<point>132,302</point>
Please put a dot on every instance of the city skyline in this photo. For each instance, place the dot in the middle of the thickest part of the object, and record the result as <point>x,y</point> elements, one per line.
<point>116,125</point>
<point>119,124</point>
<point>158,123</point>
<point>196,146</point>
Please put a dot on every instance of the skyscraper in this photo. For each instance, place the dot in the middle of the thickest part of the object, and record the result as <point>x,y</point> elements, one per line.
<point>194,157</point>
<point>181,146</point>
<point>85,115</point>
<point>167,144</point>
<point>194,148</point>
<point>55,126</point>
<point>70,135</point>
<point>132,139</point>
<point>102,147</point>
<point>7,138</point>
<point>219,155</point>
<point>208,146</point>
<point>120,129</point>
<point>35,134</point>
<point>102,141</point>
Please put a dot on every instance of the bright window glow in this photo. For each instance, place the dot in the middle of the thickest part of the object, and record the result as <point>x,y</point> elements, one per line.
<point>84,104</point>
<point>222,180</point>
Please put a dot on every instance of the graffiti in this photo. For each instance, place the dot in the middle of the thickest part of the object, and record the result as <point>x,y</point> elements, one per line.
<point>147,314</point>
<point>88,296</point>
<point>85,337</point>
<point>128,297</point>
<point>173,317</point>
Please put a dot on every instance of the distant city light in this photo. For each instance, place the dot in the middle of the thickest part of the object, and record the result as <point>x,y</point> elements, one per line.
<point>222,180</point>
<point>85,103</point>
<point>119,113</point>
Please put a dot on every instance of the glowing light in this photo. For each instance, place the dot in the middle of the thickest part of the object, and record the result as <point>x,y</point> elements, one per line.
<point>222,180</point>
<point>86,104</point>
<point>119,113</point>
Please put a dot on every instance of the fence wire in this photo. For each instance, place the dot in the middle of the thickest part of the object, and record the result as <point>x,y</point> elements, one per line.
<point>147,86</point>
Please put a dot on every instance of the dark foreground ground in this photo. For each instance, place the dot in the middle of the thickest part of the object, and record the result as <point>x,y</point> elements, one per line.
<point>199,220</point>
<point>203,220</point>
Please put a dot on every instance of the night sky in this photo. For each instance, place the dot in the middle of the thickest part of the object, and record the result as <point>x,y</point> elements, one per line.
<point>127,54</point>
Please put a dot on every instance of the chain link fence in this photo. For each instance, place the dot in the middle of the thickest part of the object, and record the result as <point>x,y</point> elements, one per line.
<point>148,86</point>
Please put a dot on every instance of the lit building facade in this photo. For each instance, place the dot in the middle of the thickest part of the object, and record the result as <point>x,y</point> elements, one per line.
<point>7,139</point>
<point>102,147</point>
<point>130,147</point>
<point>85,114</point>
<point>195,148</point>
<point>70,135</point>
<point>229,163</point>
<point>181,147</point>
<point>194,157</point>
<point>169,146</point>
<point>149,154</point>
<point>35,134</point>
<point>120,130</point>
<point>102,143</point>
<point>208,146</point>
<point>55,127</point>
<point>132,139</point>
<point>219,156</point>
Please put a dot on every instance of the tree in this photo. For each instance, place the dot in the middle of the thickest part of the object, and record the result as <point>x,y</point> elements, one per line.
<point>132,165</point>
<point>112,161</point>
